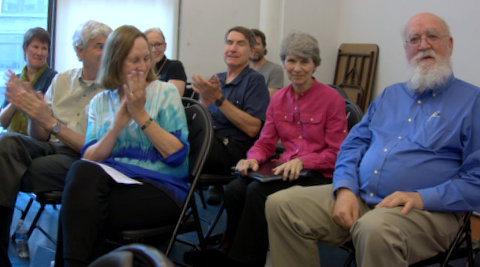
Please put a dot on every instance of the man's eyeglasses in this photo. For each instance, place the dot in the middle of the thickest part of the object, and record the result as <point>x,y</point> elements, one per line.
<point>157,45</point>
<point>431,38</point>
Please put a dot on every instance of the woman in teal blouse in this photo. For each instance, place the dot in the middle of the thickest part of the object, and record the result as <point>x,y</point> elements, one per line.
<point>138,128</point>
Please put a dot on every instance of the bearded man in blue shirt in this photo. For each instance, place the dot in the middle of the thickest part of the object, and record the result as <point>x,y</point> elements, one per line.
<point>403,176</point>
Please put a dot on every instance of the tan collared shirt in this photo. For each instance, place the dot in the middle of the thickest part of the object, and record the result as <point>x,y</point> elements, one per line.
<point>68,97</point>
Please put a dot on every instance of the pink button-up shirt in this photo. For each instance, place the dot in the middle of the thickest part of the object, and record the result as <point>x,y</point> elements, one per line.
<point>311,128</point>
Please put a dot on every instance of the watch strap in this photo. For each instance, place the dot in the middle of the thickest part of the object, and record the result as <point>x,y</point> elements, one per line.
<point>219,101</point>
<point>56,128</point>
<point>146,124</point>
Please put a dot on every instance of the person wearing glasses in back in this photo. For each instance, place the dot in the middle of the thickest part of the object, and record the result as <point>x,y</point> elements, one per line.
<point>167,70</point>
<point>404,175</point>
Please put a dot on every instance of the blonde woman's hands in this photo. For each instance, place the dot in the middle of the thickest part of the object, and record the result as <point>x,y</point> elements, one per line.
<point>135,94</point>
<point>122,117</point>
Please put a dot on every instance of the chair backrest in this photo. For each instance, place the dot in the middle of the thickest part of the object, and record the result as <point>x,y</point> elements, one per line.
<point>339,90</point>
<point>189,92</point>
<point>353,111</point>
<point>200,134</point>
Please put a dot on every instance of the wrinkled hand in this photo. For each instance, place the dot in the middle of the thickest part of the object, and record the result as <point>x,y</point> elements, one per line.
<point>22,96</point>
<point>245,164</point>
<point>209,90</point>
<point>346,209</point>
<point>122,117</point>
<point>135,93</point>
<point>290,169</point>
<point>409,201</point>
<point>14,84</point>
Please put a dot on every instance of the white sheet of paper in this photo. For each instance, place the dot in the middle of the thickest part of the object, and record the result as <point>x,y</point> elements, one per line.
<point>116,175</point>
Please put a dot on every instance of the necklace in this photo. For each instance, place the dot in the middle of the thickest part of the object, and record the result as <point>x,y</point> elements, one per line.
<point>161,66</point>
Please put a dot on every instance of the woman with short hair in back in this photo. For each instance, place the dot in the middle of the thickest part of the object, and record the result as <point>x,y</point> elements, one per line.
<point>36,75</point>
<point>308,117</point>
<point>138,128</point>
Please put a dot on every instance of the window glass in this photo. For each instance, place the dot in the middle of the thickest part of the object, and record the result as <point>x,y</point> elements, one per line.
<point>16,17</point>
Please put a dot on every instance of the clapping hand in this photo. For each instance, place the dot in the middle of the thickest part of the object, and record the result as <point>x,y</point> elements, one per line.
<point>135,93</point>
<point>209,90</point>
<point>22,96</point>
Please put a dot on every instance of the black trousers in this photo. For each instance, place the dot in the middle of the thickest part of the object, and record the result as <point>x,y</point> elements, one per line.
<point>246,223</point>
<point>224,155</point>
<point>94,204</point>
<point>27,165</point>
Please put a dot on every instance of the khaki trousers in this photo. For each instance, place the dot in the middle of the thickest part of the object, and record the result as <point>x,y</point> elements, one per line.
<point>299,217</point>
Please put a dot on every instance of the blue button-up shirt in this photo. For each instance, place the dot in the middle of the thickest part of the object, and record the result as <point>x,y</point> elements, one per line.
<point>428,143</point>
<point>247,92</point>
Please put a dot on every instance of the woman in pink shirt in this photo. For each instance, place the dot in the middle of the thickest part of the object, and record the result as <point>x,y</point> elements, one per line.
<point>309,119</point>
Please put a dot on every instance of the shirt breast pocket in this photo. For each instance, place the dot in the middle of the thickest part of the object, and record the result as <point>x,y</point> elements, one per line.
<point>433,132</point>
<point>313,125</point>
<point>284,123</point>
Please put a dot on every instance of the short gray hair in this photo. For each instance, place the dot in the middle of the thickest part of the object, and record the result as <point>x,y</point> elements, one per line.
<point>301,45</point>
<point>246,32</point>
<point>157,30</point>
<point>89,31</point>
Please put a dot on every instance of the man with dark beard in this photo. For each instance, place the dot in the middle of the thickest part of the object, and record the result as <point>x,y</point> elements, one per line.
<point>272,72</point>
<point>403,175</point>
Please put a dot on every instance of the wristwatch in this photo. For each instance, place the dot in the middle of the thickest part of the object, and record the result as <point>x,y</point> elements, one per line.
<point>56,128</point>
<point>219,101</point>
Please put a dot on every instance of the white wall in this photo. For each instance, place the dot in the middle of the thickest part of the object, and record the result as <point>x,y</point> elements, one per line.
<point>203,25</point>
<point>381,22</point>
<point>332,22</point>
<point>319,18</point>
<point>143,14</point>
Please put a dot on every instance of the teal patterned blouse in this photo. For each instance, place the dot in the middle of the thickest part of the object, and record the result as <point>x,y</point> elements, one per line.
<point>133,153</point>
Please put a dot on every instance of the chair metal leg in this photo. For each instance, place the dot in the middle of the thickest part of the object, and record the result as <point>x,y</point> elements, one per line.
<point>24,213</point>
<point>349,260</point>
<point>47,235</point>
<point>35,220</point>
<point>463,235</point>
<point>215,221</point>
<point>27,208</point>
<point>202,198</point>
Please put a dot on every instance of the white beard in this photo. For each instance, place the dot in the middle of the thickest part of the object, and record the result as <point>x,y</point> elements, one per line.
<point>421,76</point>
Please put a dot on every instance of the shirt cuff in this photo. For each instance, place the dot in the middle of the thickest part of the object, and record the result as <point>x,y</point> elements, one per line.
<point>344,183</point>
